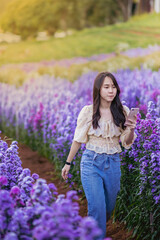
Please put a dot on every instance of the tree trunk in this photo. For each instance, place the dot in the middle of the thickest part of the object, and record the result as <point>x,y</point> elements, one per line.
<point>126,8</point>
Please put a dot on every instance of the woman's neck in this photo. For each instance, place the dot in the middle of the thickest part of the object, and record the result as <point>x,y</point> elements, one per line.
<point>105,104</point>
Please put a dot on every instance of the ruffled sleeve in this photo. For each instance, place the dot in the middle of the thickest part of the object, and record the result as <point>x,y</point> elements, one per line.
<point>126,132</point>
<point>83,123</point>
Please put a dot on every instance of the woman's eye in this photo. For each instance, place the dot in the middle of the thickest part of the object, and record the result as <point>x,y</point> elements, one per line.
<point>112,87</point>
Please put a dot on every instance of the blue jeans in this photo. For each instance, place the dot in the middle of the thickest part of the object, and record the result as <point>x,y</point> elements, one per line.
<point>100,176</point>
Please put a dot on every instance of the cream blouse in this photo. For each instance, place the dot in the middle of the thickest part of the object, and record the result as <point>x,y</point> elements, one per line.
<point>104,139</point>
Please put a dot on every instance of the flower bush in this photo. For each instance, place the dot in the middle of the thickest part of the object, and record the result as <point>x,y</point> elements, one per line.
<point>31,209</point>
<point>140,181</point>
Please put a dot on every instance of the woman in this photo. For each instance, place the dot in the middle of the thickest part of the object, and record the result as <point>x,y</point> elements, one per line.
<point>101,126</point>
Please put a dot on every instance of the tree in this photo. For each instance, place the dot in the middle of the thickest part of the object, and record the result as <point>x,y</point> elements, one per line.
<point>100,13</point>
<point>28,17</point>
<point>126,8</point>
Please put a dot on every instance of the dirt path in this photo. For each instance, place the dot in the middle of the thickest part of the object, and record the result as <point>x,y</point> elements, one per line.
<point>40,165</point>
<point>140,33</point>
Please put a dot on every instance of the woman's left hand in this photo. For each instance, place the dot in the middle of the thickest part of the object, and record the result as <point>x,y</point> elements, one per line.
<point>131,123</point>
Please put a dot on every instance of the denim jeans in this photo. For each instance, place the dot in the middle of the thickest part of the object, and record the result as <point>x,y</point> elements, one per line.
<point>100,176</point>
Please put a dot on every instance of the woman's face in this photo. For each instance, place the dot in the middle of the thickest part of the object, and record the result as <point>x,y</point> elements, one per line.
<point>108,90</point>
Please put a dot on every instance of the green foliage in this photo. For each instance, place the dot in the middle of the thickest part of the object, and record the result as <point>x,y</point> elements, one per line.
<point>131,208</point>
<point>100,13</point>
<point>3,4</point>
<point>27,17</point>
<point>6,76</point>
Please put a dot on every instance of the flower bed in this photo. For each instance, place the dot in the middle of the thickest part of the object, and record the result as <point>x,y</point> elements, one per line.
<point>44,116</point>
<point>31,209</point>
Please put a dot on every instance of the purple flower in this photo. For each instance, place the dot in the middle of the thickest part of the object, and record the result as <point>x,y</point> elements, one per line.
<point>35,176</point>
<point>11,236</point>
<point>15,191</point>
<point>3,181</point>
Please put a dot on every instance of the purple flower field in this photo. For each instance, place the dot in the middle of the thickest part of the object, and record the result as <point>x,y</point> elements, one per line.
<point>43,113</point>
<point>137,52</point>
<point>31,209</point>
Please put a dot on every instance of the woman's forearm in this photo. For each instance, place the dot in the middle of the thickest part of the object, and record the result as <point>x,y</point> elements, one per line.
<point>130,136</point>
<point>73,150</point>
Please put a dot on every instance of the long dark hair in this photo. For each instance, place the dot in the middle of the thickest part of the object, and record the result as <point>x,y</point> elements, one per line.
<point>116,105</point>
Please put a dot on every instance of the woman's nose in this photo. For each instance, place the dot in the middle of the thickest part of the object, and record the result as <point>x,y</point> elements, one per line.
<point>110,89</point>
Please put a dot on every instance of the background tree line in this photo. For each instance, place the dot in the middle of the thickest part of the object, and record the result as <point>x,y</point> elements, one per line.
<point>28,17</point>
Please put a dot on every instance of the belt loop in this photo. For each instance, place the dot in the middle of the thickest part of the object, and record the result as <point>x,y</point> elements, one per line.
<point>107,163</point>
<point>95,155</point>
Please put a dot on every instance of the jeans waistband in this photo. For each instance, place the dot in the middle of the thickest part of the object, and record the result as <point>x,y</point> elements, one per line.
<point>91,151</point>
<point>100,159</point>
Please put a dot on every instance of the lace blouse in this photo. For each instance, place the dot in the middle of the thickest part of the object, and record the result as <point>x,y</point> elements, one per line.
<point>104,139</point>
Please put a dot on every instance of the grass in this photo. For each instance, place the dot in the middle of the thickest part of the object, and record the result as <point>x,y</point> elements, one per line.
<point>140,31</point>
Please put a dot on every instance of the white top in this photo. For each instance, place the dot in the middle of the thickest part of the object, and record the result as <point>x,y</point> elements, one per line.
<point>104,139</point>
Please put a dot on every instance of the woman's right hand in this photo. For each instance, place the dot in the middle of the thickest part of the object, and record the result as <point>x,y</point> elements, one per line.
<point>65,171</point>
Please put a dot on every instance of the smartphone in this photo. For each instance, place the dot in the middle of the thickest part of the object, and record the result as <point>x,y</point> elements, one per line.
<point>132,112</point>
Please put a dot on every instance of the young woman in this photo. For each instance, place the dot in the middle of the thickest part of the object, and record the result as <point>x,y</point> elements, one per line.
<point>101,126</point>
